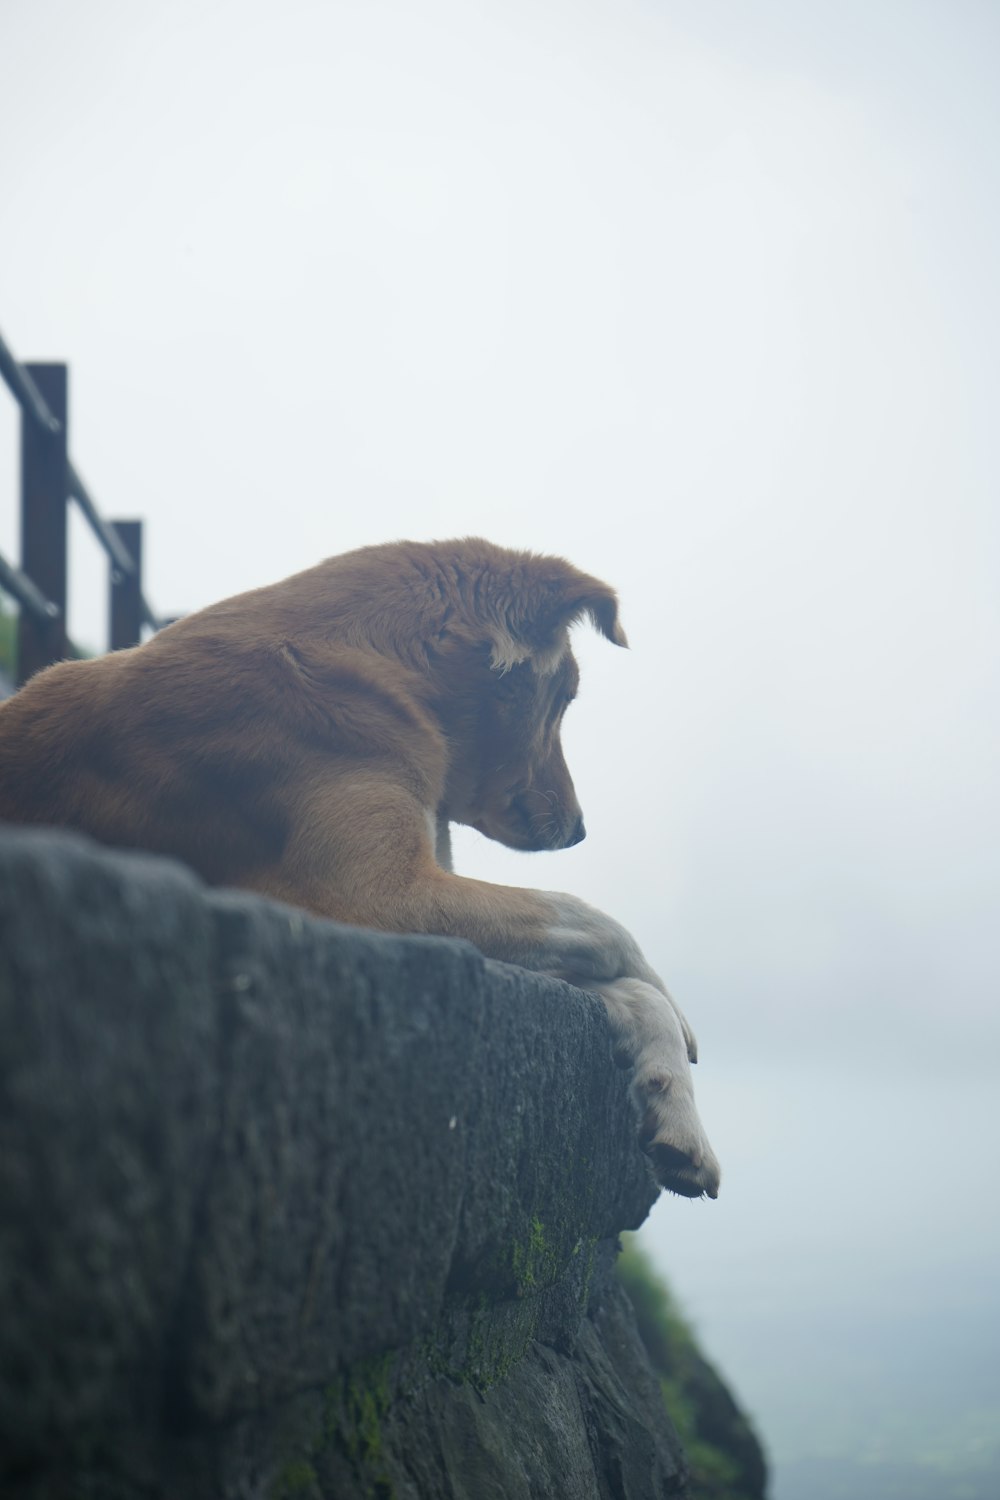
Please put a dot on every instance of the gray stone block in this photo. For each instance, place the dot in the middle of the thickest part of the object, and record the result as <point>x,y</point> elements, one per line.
<point>291,1209</point>
<point>108,1120</point>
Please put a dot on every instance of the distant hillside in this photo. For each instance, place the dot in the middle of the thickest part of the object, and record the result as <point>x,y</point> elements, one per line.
<point>839,1479</point>
<point>726,1459</point>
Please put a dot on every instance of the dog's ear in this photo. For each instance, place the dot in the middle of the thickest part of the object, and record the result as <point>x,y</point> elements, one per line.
<point>546,612</point>
<point>600,603</point>
<point>573,595</point>
<point>532,607</point>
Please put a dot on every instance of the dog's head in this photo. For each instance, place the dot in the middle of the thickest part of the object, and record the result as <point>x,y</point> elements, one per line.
<point>509,617</point>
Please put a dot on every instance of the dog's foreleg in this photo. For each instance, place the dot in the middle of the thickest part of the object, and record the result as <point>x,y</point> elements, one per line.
<point>377,863</point>
<point>442,842</point>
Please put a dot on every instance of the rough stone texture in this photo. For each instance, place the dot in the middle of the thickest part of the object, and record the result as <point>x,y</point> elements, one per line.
<point>289,1209</point>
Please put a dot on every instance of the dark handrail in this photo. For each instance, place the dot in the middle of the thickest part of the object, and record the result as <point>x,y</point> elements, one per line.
<point>29,399</point>
<point>31,402</point>
<point>118,554</point>
<point>21,588</point>
<point>24,390</point>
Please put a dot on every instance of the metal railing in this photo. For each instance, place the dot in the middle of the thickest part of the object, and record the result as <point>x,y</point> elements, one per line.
<point>49,480</point>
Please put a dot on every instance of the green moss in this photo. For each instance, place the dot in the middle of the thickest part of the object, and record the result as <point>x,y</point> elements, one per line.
<point>483,1336</point>
<point>479,1342</point>
<point>498,1339</point>
<point>8,641</point>
<point>298,1477</point>
<point>354,1410</point>
<point>433,1358</point>
<point>587,1249</point>
<point>541,1255</point>
<point>535,1261</point>
<point>480,1338</point>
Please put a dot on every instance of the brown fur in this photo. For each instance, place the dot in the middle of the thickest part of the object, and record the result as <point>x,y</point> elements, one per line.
<point>305,740</point>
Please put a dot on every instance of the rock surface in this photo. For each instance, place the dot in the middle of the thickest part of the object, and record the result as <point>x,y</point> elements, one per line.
<point>290,1209</point>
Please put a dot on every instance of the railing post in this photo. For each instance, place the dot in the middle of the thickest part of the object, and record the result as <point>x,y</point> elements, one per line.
<point>126,590</point>
<point>43,521</point>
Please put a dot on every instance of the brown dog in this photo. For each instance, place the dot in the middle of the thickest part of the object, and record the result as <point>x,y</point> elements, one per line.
<point>313,741</point>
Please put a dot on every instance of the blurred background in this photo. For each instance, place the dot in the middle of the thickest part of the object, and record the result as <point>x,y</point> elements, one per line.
<point>705,298</point>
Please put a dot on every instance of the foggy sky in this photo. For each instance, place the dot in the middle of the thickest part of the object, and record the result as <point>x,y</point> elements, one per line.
<point>703,297</point>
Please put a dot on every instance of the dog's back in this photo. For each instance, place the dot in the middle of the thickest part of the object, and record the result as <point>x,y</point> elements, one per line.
<point>191,744</point>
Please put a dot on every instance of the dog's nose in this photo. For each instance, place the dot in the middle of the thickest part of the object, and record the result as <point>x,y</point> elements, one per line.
<point>578,834</point>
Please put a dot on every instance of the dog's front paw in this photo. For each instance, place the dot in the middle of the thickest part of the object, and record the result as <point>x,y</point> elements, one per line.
<point>650,1035</point>
<point>671,1133</point>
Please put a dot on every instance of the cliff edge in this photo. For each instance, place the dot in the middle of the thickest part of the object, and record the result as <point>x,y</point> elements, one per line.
<point>291,1209</point>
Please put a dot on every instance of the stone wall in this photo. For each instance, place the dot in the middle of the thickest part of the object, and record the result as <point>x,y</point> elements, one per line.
<point>290,1209</point>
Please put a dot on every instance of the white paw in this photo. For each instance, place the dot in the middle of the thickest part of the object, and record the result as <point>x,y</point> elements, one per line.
<point>671,1133</point>
<point>649,1034</point>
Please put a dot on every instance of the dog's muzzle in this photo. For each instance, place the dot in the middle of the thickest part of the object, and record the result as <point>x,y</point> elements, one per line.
<point>577,834</point>
<point>543,828</point>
